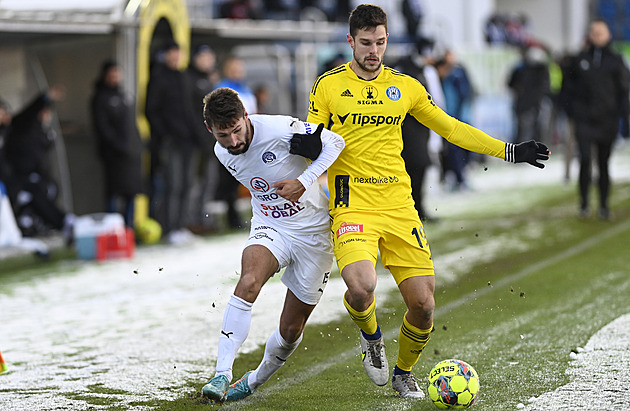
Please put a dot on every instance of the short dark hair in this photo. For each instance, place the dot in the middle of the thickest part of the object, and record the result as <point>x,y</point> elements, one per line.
<point>366,16</point>
<point>222,108</point>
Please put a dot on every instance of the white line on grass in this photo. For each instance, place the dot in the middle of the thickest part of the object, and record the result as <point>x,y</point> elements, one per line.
<point>442,310</point>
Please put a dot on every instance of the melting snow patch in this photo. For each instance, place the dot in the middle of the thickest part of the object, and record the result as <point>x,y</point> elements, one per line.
<point>599,373</point>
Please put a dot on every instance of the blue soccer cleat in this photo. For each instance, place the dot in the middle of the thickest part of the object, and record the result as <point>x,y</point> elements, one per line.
<point>240,389</point>
<point>216,389</point>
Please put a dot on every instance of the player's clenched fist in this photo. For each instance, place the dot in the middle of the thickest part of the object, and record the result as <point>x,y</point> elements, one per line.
<point>291,190</point>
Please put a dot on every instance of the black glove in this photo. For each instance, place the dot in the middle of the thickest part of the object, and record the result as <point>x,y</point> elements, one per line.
<point>527,152</point>
<point>307,145</point>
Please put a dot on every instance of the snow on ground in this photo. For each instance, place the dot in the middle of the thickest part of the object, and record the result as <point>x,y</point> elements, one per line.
<point>599,374</point>
<point>143,326</point>
<point>141,329</point>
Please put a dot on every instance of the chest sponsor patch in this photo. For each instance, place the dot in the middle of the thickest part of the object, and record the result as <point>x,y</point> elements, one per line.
<point>259,184</point>
<point>346,228</point>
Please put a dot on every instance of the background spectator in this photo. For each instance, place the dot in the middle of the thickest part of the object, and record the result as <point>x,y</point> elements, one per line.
<point>239,10</point>
<point>5,122</point>
<point>415,137</point>
<point>32,190</point>
<point>172,145</point>
<point>529,82</point>
<point>596,83</point>
<point>201,77</point>
<point>413,13</point>
<point>458,96</point>
<point>119,144</point>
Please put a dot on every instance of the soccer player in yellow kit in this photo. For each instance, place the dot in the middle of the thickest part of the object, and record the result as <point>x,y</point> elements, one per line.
<point>370,193</point>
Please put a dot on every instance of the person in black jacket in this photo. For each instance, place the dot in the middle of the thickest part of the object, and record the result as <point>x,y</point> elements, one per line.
<point>416,136</point>
<point>119,144</point>
<point>172,145</point>
<point>529,81</point>
<point>596,87</point>
<point>201,78</point>
<point>5,122</point>
<point>32,190</point>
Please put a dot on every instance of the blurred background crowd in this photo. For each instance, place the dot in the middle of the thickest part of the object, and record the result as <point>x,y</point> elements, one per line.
<point>100,104</point>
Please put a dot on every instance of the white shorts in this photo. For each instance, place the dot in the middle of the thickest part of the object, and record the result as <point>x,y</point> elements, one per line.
<point>308,259</point>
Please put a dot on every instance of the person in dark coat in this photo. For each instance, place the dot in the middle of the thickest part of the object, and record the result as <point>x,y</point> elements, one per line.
<point>415,139</point>
<point>530,84</point>
<point>201,78</point>
<point>172,145</point>
<point>32,190</point>
<point>119,144</point>
<point>5,122</point>
<point>596,87</point>
<point>458,96</point>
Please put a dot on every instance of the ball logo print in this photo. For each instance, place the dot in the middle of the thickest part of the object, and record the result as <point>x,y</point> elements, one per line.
<point>453,384</point>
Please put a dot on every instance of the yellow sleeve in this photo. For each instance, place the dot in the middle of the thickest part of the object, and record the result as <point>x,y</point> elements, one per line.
<point>458,133</point>
<point>318,110</point>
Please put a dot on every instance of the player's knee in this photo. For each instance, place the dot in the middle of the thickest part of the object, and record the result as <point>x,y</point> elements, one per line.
<point>361,288</point>
<point>422,308</point>
<point>291,332</point>
<point>248,287</point>
<point>360,297</point>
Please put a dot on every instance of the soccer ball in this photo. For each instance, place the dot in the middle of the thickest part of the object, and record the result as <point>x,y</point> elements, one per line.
<point>453,384</point>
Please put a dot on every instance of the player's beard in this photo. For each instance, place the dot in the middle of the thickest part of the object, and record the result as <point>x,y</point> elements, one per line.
<point>368,69</point>
<point>245,145</point>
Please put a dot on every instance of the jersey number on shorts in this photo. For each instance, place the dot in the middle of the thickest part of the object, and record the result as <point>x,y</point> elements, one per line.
<point>418,233</point>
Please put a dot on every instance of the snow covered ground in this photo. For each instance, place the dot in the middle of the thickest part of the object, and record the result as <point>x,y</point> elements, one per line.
<point>140,329</point>
<point>599,374</point>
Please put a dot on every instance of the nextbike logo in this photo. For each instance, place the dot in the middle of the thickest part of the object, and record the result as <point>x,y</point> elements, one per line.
<point>375,180</point>
<point>349,228</point>
<point>363,120</point>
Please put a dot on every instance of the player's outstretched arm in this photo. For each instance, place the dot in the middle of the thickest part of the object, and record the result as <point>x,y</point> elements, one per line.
<point>527,152</point>
<point>307,145</point>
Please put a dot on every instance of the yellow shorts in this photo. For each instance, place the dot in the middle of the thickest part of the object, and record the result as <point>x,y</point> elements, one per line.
<point>398,234</point>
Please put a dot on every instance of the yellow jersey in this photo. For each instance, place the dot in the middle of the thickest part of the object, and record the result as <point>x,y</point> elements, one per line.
<point>370,173</point>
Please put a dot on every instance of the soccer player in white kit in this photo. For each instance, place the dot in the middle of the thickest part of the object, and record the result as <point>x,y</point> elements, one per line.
<point>290,228</point>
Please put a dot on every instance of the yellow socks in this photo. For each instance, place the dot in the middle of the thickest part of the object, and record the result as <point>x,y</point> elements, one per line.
<point>365,320</point>
<point>411,342</point>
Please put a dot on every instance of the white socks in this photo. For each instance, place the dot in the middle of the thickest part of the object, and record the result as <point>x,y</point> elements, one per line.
<point>277,351</point>
<point>236,322</point>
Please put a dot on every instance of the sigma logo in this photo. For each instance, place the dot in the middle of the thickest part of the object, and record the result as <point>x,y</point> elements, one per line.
<point>259,184</point>
<point>349,228</point>
<point>369,92</point>
<point>268,157</point>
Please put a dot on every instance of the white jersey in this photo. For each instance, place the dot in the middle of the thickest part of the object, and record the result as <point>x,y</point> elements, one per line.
<point>268,161</point>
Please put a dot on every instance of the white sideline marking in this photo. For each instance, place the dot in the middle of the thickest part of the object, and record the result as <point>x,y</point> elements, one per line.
<point>442,310</point>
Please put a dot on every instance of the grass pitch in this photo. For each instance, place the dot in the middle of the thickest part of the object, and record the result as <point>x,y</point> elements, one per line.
<point>521,283</point>
<point>545,283</point>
